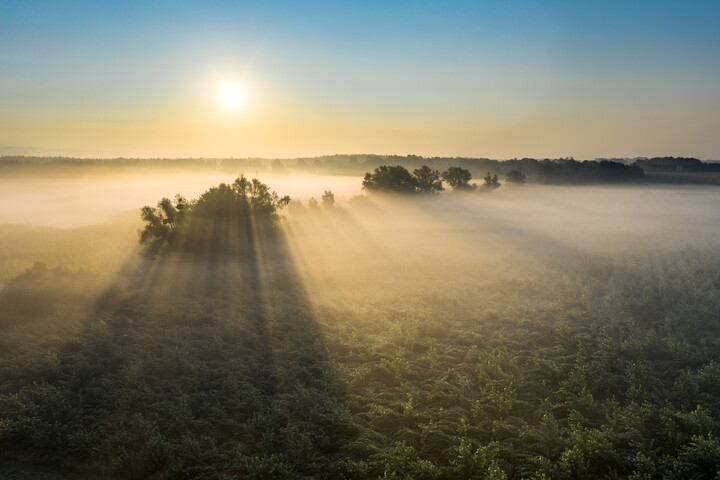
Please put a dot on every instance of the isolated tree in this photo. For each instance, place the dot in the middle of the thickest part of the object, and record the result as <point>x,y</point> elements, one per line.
<point>313,203</point>
<point>389,179</point>
<point>458,178</point>
<point>491,182</point>
<point>428,180</point>
<point>515,176</point>
<point>328,199</point>
<point>244,205</point>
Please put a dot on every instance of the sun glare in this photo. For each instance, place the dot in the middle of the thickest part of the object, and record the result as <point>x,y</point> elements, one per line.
<point>231,94</point>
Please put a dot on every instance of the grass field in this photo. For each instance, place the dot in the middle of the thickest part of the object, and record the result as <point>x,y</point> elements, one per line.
<point>535,332</point>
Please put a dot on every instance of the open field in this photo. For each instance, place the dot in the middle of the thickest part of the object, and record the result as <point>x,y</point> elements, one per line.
<point>359,240</point>
<point>570,332</point>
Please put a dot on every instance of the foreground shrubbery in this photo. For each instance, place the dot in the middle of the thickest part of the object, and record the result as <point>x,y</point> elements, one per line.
<point>560,364</point>
<point>207,380</point>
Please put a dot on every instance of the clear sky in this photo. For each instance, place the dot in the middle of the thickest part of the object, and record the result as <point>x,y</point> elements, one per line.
<point>495,79</point>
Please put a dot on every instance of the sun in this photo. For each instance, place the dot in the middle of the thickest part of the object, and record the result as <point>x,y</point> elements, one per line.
<point>231,94</point>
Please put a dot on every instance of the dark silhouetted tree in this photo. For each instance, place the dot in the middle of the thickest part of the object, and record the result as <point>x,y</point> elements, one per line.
<point>515,176</point>
<point>246,204</point>
<point>389,179</point>
<point>162,221</point>
<point>491,182</point>
<point>428,180</point>
<point>328,199</point>
<point>458,178</point>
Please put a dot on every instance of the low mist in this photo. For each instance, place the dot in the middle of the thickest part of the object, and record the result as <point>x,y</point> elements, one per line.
<point>378,334</point>
<point>66,198</point>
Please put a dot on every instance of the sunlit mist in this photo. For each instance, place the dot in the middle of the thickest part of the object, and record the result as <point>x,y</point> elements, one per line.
<point>359,240</point>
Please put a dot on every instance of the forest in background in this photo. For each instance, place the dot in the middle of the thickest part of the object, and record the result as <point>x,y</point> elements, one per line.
<point>546,171</point>
<point>545,333</point>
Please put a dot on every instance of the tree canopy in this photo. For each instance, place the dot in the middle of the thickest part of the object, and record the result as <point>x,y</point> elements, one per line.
<point>428,180</point>
<point>515,176</point>
<point>243,205</point>
<point>458,178</point>
<point>389,179</point>
<point>491,182</point>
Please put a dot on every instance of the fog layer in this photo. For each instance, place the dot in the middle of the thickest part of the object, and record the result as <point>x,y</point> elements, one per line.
<point>527,332</point>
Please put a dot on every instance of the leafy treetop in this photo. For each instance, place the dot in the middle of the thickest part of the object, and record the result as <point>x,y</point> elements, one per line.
<point>428,180</point>
<point>491,182</point>
<point>390,179</point>
<point>458,178</point>
<point>245,205</point>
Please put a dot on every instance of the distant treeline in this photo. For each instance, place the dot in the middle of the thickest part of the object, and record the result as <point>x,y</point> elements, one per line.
<point>559,170</point>
<point>572,171</point>
<point>676,164</point>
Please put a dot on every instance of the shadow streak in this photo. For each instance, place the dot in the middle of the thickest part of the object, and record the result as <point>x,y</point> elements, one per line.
<point>205,361</point>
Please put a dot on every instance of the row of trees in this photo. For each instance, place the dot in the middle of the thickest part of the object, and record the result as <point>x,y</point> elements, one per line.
<point>397,179</point>
<point>249,205</point>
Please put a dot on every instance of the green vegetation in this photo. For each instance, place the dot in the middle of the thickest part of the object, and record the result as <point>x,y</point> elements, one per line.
<point>413,342</point>
<point>458,178</point>
<point>397,179</point>
<point>491,182</point>
<point>515,176</point>
<point>390,179</point>
<point>557,171</point>
<point>574,172</point>
<point>428,180</point>
<point>244,209</point>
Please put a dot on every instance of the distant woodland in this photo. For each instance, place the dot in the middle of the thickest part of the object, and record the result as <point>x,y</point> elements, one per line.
<point>547,171</point>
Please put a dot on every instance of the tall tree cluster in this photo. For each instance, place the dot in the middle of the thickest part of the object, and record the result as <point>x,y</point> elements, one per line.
<point>241,207</point>
<point>397,179</point>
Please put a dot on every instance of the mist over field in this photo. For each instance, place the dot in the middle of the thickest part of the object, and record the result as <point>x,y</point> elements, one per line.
<point>359,240</point>
<point>565,331</point>
<point>68,198</point>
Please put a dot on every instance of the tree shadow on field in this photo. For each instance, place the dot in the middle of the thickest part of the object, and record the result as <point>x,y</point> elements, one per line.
<point>207,361</point>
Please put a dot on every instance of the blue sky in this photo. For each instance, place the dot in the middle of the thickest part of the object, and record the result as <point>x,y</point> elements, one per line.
<point>498,79</point>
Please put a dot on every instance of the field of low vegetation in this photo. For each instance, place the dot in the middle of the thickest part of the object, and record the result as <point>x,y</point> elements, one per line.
<point>534,332</point>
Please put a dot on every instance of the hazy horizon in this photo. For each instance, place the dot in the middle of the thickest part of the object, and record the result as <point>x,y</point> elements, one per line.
<point>273,80</point>
<point>217,293</point>
<point>38,152</point>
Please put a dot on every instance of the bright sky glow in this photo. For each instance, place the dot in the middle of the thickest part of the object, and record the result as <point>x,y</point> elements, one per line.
<point>231,94</point>
<point>492,79</point>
